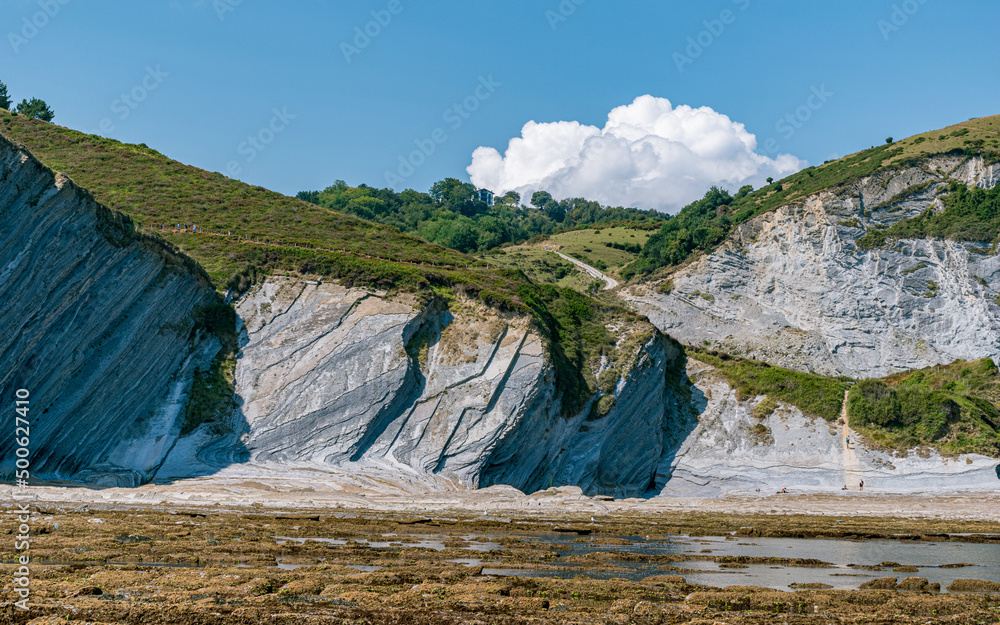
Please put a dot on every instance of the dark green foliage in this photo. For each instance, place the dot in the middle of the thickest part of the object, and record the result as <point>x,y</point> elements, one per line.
<point>971,214</point>
<point>950,407</point>
<point>607,382</point>
<point>5,101</point>
<point>213,395</point>
<point>35,109</point>
<point>699,226</point>
<point>813,394</point>
<point>450,217</point>
<point>578,328</point>
<point>219,319</point>
<point>631,248</point>
<point>540,198</point>
<point>702,225</point>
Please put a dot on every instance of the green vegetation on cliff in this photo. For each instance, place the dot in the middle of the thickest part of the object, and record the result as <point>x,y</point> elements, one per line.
<point>969,215</point>
<point>813,394</point>
<point>240,233</point>
<point>702,225</point>
<point>952,408</point>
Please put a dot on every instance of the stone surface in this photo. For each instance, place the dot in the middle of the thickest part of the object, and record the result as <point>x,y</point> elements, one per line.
<point>344,380</point>
<point>98,327</point>
<point>803,454</point>
<point>792,288</point>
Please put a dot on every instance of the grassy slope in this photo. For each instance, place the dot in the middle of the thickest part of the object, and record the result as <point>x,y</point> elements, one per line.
<point>953,408</point>
<point>977,136</point>
<point>814,395</point>
<point>974,136</point>
<point>543,267</point>
<point>289,235</point>
<point>588,244</point>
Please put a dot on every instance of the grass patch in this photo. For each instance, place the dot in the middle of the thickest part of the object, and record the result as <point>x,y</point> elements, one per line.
<point>813,394</point>
<point>952,408</point>
<point>213,395</point>
<point>245,233</point>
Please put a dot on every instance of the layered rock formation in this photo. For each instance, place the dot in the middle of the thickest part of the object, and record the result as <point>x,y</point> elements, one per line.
<point>99,328</point>
<point>732,451</point>
<point>792,287</point>
<point>345,380</point>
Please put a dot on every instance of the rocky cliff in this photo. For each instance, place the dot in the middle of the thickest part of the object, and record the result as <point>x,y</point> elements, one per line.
<point>346,380</point>
<point>106,330</point>
<point>793,288</point>
<point>99,327</point>
<point>732,450</point>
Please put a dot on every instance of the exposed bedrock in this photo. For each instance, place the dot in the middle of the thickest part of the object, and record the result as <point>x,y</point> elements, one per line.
<point>732,451</point>
<point>346,380</point>
<point>98,327</point>
<point>792,287</point>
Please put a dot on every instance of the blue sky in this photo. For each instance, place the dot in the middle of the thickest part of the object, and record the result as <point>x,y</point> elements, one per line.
<point>222,68</point>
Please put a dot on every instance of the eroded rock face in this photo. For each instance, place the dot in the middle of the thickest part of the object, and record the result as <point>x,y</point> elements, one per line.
<point>99,329</point>
<point>345,380</point>
<point>732,451</point>
<point>791,287</point>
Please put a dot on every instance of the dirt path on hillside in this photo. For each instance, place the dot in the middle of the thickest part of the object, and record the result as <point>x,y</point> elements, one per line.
<point>852,467</point>
<point>610,283</point>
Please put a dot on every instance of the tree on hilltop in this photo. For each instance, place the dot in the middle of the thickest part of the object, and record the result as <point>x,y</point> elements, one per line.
<point>4,97</point>
<point>35,109</point>
<point>540,198</point>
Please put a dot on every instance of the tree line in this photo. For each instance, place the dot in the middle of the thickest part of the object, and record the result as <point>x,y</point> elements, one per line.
<point>451,215</point>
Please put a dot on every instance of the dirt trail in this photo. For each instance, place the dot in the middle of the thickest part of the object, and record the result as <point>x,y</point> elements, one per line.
<point>852,467</point>
<point>610,283</point>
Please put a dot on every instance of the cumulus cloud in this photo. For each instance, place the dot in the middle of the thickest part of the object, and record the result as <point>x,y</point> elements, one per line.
<point>650,154</point>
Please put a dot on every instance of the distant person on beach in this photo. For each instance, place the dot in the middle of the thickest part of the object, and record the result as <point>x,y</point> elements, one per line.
<point>862,486</point>
<point>844,488</point>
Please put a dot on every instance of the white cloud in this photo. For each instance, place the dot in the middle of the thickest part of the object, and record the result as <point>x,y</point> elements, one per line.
<point>648,155</point>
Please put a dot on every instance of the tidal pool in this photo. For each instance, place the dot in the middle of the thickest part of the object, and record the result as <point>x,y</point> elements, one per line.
<point>845,560</point>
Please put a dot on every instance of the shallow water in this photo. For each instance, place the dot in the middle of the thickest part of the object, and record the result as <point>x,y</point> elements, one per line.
<point>928,557</point>
<point>840,555</point>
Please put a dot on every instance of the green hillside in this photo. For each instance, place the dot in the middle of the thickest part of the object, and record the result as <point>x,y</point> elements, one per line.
<point>952,408</point>
<point>608,247</point>
<point>815,395</point>
<point>451,216</point>
<point>240,233</point>
<point>702,225</point>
